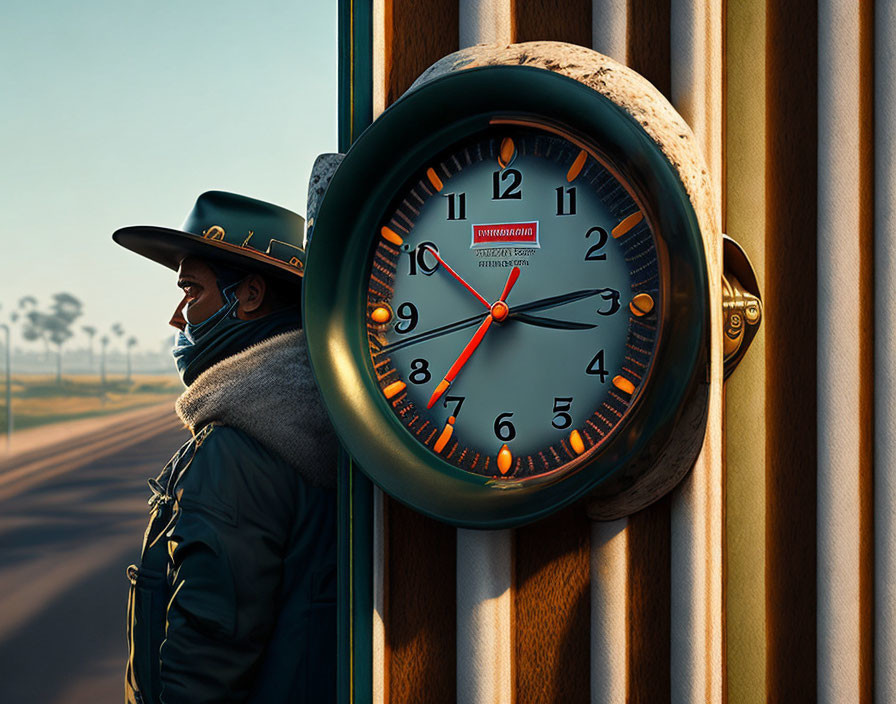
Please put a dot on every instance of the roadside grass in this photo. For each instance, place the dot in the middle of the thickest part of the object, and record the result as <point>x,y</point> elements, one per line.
<point>39,400</point>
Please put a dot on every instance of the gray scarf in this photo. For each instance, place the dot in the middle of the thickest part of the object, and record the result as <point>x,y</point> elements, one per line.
<point>267,392</point>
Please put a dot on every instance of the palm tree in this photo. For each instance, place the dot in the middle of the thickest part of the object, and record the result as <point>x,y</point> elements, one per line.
<point>58,332</point>
<point>32,331</point>
<point>36,329</point>
<point>117,330</point>
<point>63,312</point>
<point>132,341</point>
<point>90,331</point>
<point>66,306</point>
<point>104,342</point>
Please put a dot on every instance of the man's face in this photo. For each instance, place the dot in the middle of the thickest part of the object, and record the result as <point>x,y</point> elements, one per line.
<point>201,295</point>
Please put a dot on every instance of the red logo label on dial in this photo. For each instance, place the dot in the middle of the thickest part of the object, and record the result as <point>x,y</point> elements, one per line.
<point>518,234</point>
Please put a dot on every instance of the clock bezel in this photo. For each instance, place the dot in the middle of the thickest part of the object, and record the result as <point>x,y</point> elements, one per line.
<point>411,132</point>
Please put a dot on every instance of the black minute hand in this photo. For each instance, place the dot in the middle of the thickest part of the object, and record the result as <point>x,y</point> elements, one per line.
<point>435,332</point>
<point>540,304</point>
<point>553,323</point>
<point>554,301</point>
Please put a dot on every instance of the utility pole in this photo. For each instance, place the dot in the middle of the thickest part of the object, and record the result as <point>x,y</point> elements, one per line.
<point>8,386</point>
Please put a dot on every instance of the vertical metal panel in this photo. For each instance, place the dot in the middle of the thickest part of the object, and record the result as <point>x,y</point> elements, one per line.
<point>551,608</point>
<point>355,70</point>
<point>379,658</point>
<point>791,331</point>
<point>842,184</point>
<point>484,616</point>
<point>745,395</point>
<point>484,623</point>
<point>697,653</point>
<point>696,41</point>
<point>416,36</point>
<point>609,615</point>
<point>609,26</point>
<point>648,604</point>
<point>649,37</point>
<point>485,22</point>
<point>420,599</point>
<point>354,553</point>
<point>885,351</point>
<point>381,32</point>
<point>354,506</point>
<point>555,20</point>
<point>866,349</point>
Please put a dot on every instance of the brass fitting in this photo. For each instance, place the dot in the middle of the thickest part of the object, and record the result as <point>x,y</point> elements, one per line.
<point>741,304</point>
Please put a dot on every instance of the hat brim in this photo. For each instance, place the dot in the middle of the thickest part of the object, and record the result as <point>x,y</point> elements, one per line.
<point>170,247</point>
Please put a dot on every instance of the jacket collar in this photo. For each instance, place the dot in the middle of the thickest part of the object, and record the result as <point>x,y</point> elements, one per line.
<point>268,392</point>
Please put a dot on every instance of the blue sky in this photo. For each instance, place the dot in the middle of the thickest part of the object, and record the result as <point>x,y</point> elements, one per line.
<point>121,113</point>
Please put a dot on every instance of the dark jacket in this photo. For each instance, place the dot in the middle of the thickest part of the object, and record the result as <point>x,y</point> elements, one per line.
<point>234,596</point>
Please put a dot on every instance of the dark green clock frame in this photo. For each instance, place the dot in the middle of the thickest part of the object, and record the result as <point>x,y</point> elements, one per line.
<point>407,136</point>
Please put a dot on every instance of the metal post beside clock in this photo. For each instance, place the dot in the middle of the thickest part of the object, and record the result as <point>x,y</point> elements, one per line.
<point>506,291</point>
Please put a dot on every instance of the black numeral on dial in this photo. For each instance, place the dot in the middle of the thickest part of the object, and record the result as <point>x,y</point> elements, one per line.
<point>419,371</point>
<point>504,429</point>
<point>511,190</point>
<point>417,259</point>
<point>611,296</point>
<point>596,366</point>
<point>457,206</point>
<point>458,401</point>
<point>408,313</point>
<point>562,406</point>
<point>602,236</point>
<point>566,200</point>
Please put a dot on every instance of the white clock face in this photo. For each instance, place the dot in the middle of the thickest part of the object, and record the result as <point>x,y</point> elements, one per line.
<point>513,303</point>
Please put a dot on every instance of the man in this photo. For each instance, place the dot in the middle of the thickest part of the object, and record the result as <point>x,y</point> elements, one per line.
<point>234,596</point>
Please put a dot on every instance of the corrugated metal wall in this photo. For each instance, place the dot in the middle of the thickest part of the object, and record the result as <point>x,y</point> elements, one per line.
<point>768,575</point>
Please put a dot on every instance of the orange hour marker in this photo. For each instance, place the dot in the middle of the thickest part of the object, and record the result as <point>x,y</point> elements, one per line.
<point>393,389</point>
<point>391,236</point>
<point>434,179</point>
<point>577,166</point>
<point>623,384</point>
<point>505,459</point>
<point>627,224</point>
<point>641,304</point>
<point>575,441</point>
<point>507,152</point>
<point>381,315</point>
<point>445,436</point>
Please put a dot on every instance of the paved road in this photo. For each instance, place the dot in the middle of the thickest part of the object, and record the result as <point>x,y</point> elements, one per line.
<point>66,537</point>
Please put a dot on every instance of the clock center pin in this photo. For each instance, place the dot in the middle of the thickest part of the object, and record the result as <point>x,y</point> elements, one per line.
<point>500,310</point>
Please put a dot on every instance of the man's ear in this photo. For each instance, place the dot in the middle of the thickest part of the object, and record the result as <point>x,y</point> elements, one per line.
<point>250,294</point>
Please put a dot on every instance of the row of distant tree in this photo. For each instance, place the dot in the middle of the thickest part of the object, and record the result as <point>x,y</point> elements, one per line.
<point>53,325</point>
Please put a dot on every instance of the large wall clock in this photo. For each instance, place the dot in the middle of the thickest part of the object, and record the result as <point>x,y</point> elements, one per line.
<point>506,298</point>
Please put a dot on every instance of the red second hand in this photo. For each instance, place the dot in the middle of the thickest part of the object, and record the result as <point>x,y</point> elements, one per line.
<point>498,311</point>
<point>460,361</point>
<point>457,276</point>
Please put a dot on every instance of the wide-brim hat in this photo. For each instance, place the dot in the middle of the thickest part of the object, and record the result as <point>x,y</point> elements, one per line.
<point>240,232</point>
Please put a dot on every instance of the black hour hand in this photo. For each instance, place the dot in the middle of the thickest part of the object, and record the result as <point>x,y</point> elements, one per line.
<point>550,322</point>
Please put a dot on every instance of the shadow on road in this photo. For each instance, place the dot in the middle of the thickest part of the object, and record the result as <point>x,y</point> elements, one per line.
<point>64,547</point>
